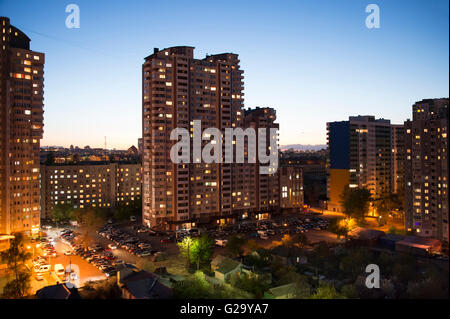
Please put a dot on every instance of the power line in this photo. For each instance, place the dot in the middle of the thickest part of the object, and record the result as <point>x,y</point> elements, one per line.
<point>51,37</point>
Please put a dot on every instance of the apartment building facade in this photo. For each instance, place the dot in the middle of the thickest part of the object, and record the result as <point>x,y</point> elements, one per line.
<point>398,159</point>
<point>178,90</point>
<point>360,156</point>
<point>291,187</point>
<point>21,129</point>
<point>426,169</point>
<point>103,185</point>
<point>264,188</point>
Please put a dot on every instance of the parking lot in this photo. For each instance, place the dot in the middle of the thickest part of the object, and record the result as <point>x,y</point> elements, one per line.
<point>51,260</point>
<point>131,244</point>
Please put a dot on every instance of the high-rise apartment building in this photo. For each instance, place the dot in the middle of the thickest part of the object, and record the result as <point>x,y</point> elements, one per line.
<point>103,185</point>
<point>21,128</point>
<point>426,169</point>
<point>360,156</point>
<point>264,188</point>
<point>398,159</point>
<point>179,90</point>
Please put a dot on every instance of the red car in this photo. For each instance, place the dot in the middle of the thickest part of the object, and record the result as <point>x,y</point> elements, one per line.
<point>165,240</point>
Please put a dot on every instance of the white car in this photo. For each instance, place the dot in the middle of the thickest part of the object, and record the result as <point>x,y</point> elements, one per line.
<point>112,246</point>
<point>39,276</point>
<point>60,270</point>
<point>67,253</point>
<point>42,268</point>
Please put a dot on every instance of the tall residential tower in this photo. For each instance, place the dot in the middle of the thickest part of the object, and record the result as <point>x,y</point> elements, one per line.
<point>426,169</point>
<point>178,89</point>
<point>360,156</point>
<point>21,128</point>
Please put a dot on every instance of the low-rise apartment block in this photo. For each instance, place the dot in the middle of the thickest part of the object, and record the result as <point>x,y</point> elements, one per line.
<point>89,185</point>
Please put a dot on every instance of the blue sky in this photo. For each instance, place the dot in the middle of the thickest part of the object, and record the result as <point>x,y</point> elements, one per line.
<point>313,61</point>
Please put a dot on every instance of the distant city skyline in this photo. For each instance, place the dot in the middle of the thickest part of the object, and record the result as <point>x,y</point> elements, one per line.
<point>313,62</point>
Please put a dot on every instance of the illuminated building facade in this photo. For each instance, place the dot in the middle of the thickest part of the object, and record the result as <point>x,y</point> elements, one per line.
<point>178,89</point>
<point>426,169</point>
<point>264,188</point>
<point>291,187</point>
<point>360,156</point>
<point>398,159</point>
<point>21,129</point>
<point>89,185</point>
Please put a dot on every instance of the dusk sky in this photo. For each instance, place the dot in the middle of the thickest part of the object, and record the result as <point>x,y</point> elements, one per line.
<point>313,61</point>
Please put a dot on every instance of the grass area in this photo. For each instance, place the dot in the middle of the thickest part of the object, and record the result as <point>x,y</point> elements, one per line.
<point>174,264</point>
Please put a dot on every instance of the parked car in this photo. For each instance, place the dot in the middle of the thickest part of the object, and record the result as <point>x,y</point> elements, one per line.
<point>42,268</point>
<point>118,262</point>
<point>60,270</point>
<point>221,242</point>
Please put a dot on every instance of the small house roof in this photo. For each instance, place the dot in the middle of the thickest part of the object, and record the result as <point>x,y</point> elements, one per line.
<point>282,290</point>
<point>58,291</point>
<point>145,285</point>
<point>227,265</point>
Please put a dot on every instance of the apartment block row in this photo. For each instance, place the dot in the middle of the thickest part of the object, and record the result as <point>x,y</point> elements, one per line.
<point>409,159</point>
<point>103,185</point>
<point>179,89</point>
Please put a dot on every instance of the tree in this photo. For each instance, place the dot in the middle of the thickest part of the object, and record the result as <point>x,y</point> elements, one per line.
<point>387,205</point>
<point>286,240</point>
<point>62,212</point>
<point>124,211</point>
<point>198,287</point>
<point>349,291</point>
<point>300,240</point>
<point>404,272</point>
<point>355,202</point>
<point>50,159</point>
<point>288,275</point>
<point>252,246</point>
<point>185,249</point>
<point>326,291</point>
<point>337,228</point>
<point>235,246</point>
<point>90,220</point>
<point>15,257</point>
<point>105,289</point>
<point>194,287</point>
<point>434,285</point>
<point>252,284</point>
<point>355,262</point>
<point>392,230</point>
<point>201,250</point>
